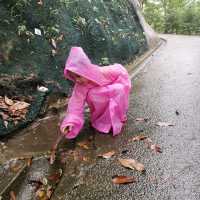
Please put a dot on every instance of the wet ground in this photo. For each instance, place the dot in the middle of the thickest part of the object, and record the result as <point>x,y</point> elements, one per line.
<point>166,89</point>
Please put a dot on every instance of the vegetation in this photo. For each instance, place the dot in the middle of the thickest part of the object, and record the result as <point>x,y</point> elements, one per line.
<point>173,16</point>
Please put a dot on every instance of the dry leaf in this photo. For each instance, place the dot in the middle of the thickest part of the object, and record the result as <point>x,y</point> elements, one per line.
<point>41,194</point>
<point>19,105</point>
<point>132,164</point>
<point>138,138</point>
<point>16,167</point>
<point>5,123</point>
<point>40,2</point>
<point>107,155</point>
<point>141,119</point>
<point>156,148</point>
<point>49,192</point>
<point>55,177</point>
<point>52,157</point>
<point>8,101</point>
<point>60,38</point>
<point>83,144</point>
<point>29,161</point>
<point>12,195</point>
<point>164,124</point>
<point>53,52</point>
<point>53,43</point>
<point>4,116</point>
<point>123,179</point>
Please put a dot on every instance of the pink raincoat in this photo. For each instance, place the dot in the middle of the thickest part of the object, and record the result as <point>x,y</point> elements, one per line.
<point>106,96</point>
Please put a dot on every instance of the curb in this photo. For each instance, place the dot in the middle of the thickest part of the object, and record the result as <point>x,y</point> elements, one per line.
<point>136,66</point>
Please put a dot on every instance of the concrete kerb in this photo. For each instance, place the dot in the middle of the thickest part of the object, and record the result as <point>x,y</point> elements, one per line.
<point>135,67</point>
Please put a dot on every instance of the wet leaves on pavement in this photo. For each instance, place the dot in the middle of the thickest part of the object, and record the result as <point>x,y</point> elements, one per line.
<point>123,179</point>
<point>140,119</point>
<point>132,164</point>
<point>138,138</point>
<point>164,124</point>
<point>151,146</point>
<point>55,177</point>
<point>156,148</point>
<point>83,144</point>
<point>12,110</point>
<point>12,195</point>
<point>107,155</point>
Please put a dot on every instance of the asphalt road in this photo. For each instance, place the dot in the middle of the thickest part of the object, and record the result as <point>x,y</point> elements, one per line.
<point>167,89</point>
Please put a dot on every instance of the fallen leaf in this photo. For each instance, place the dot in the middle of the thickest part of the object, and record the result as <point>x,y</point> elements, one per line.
<point>8,101</point>
<point>141,119</point>
<point>40,2</point>
<point>53,52</point>
<point>53,43</point>
<point>12,195</point>
<point>4,116</point>
<point>38,31</point>
<point>164,124</point>
<point>55,177</point>
<point>5,123</point>
<point>16,167</point>
<point>107,155</point>
<point>29,161</point>
<point>49,192</point>
<point>41,194</point>
<point>52,157</point>
<point>60,38</point>
<point>123,179</point>
<point>138,138</point>
<point>19,105</point>
<point>42,89</point>
<point>83,144</point>
<point>156,148</point>
<point>132,164</point>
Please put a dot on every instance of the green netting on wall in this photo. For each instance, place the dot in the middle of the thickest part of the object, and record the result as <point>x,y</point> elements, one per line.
<point>108,30</point>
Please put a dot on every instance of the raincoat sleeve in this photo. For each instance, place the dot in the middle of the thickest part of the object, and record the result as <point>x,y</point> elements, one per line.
<point>74,114</point>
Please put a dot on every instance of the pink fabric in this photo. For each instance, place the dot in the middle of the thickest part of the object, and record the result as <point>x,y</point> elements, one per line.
<point>107,97</point>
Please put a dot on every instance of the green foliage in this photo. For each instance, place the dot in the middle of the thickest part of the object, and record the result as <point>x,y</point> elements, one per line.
<point>173,16</point>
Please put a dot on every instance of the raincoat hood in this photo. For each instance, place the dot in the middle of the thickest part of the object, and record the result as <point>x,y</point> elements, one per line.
<point>79,63</point>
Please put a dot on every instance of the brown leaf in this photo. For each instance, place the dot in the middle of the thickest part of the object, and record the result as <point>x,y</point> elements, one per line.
<point>138,138</point>
<point>41,194</point>
<point>132,164</point>
<point>107,155</point>
<point>156,148</point>
<point>29,161</point>
<point>16,167</point>
<point>53,43</point>
<point>8,101</point>
<point>60,38</point>
<point>164,124</point>
<point>55,177</point>
<point>49,192</point>
<point>4,116</point>
<point>83,144</point>
<point>12,195</point>
<point>19,105</point>
<point>141,119</point>
<point>52,157</point>
<point>3,105</point>
<point>5,123</point>
<point>123,179</point>
<point>40,2</point>
<point>53,52</point>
